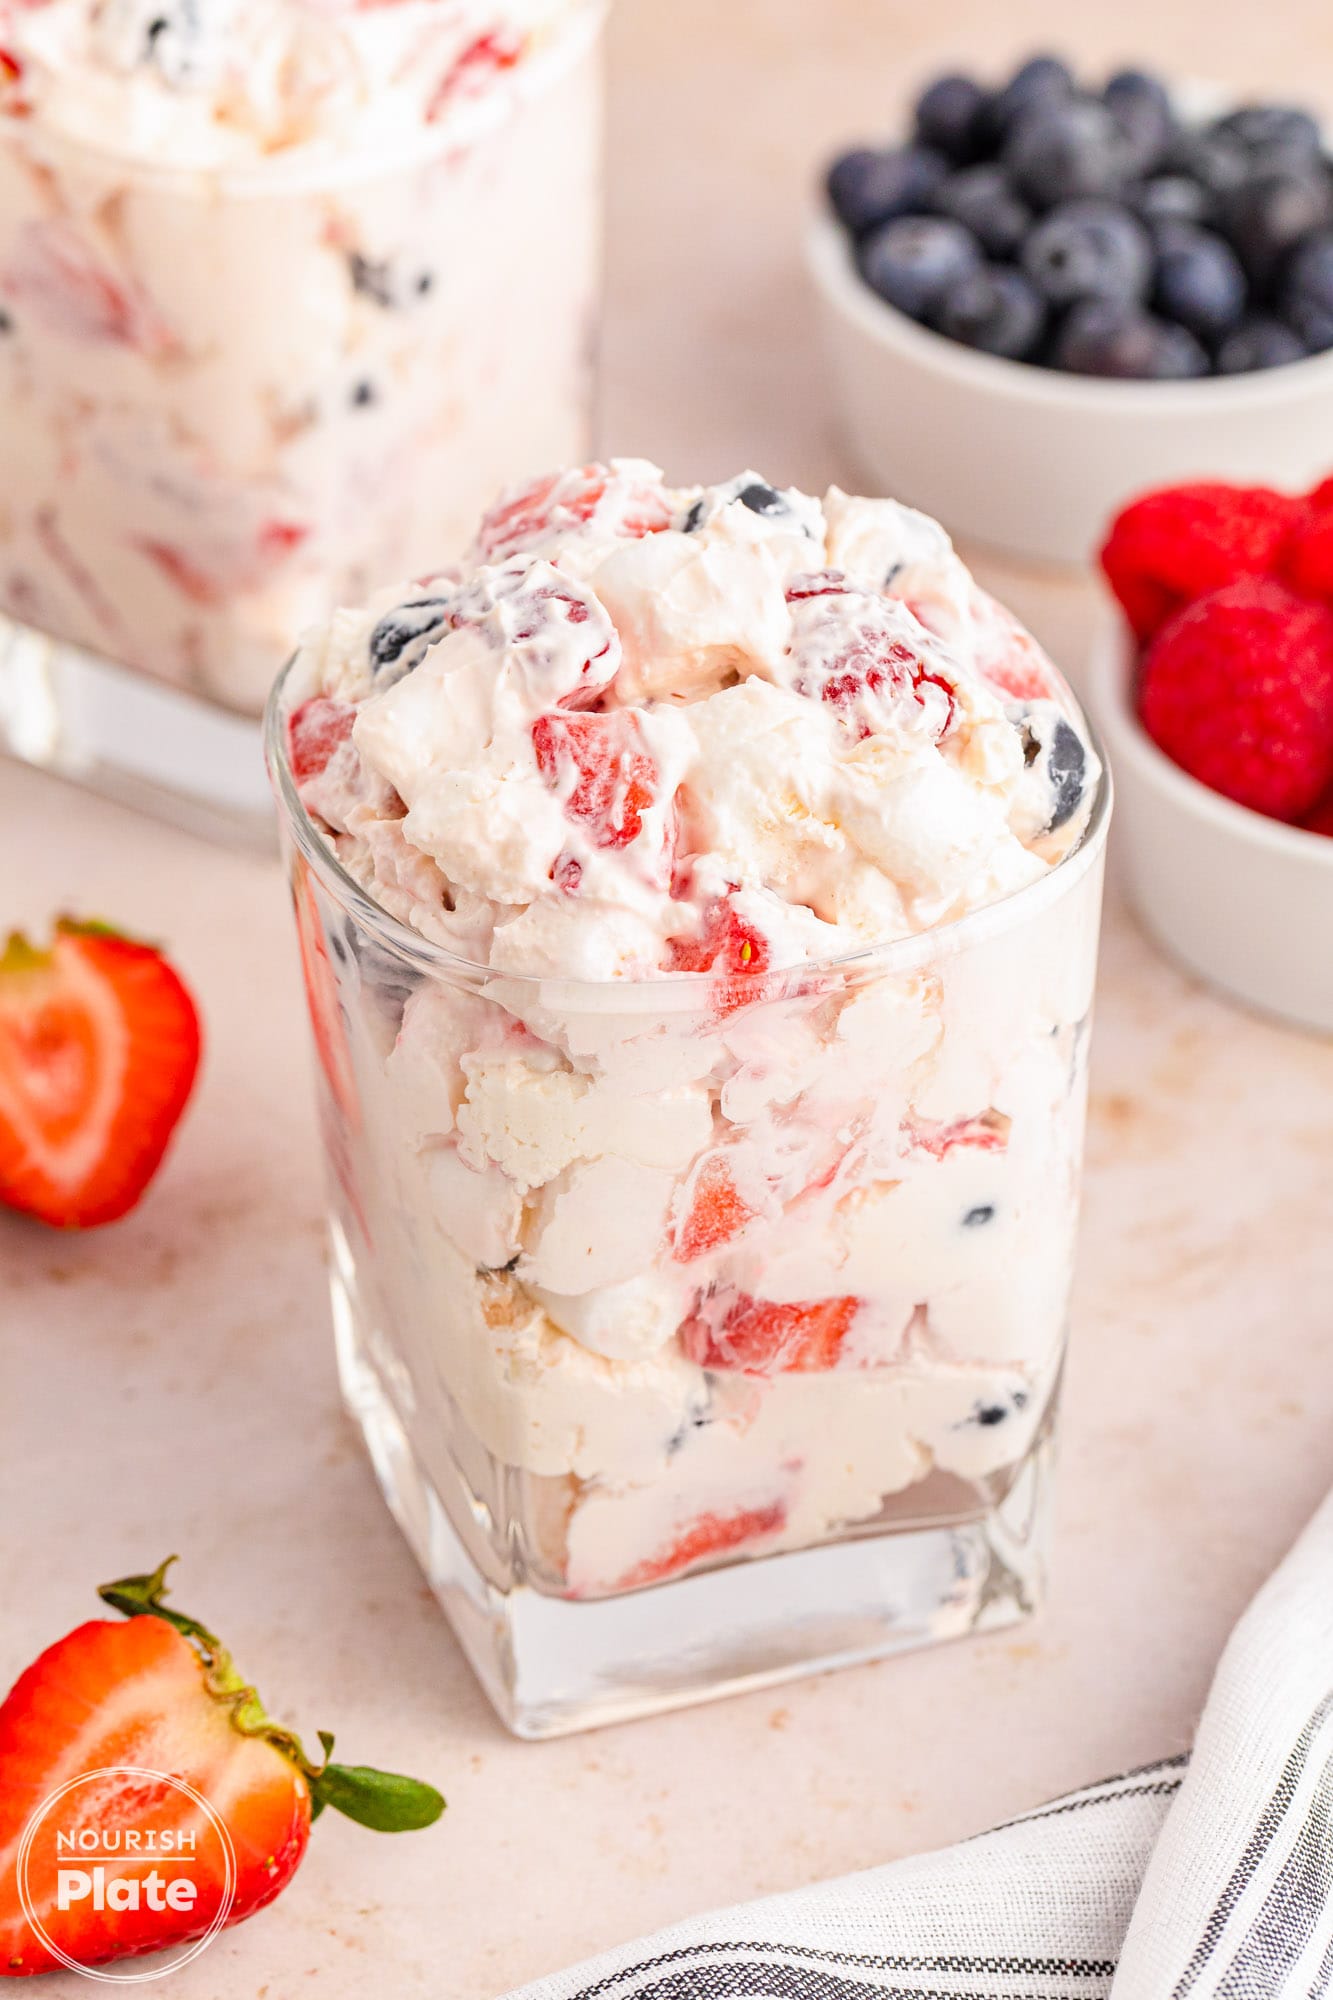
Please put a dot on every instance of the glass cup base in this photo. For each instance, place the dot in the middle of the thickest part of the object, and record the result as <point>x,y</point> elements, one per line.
<point>551,1666</point>
<point>157,748</point>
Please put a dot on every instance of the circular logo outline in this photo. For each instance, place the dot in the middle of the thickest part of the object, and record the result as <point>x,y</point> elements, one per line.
<point>220,1916</point>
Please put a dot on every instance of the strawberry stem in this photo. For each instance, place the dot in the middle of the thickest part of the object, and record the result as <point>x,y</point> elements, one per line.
<point>383,1800</point>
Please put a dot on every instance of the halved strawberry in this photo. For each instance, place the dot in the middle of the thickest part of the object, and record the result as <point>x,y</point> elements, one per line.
<point>712,1212</point>
<point>709,1535</point>
<point>599,763</point>
<point>99,1045</point>
<point>731,1330</point>
<point>161,1695</point>
<point>728,944</point>
<point>865,657</point>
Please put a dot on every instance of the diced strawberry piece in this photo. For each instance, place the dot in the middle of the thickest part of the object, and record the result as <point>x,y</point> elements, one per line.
<point>732,1331</point>
<point>864,656</point>
<point>57,278</point>
<point>99,1046</point>
<point>598,762</point>
<point>714,1211</point>
<point>560,500</point>
<point>488,56</point>
<point>709,1535</point>
<point>208,577</point>
<point>177,567</point>
<point>727,945</point>
<point>11,68</point>
<point>988,1133</point>
<point>160,1695</point>
<point>315,731</point>
<point>816,583</point>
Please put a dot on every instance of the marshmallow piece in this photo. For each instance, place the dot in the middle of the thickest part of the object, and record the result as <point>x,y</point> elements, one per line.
<point>627,1322</point>
<point>599,1223</point>
<point>479,1212</point>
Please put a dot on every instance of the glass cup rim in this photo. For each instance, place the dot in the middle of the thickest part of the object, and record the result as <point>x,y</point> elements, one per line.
<point>888,956</point>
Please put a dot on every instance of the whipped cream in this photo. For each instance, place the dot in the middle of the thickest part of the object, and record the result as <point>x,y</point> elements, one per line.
<point>719,1185</point>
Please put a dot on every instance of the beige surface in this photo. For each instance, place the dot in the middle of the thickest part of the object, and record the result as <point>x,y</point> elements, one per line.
<point>169,1384</point>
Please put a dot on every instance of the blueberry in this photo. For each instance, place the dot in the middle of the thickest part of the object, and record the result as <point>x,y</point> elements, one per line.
<point>948,116</point>
<point>977,1217</point>
<point>1309,274</point>
<point>1142,109</point>
<point>1041,80</point>
<point>990,1414</point>
<point>1089,250</point>
<point>1055,747</point>
<point>424,284</point>
<point>1276,137</point>
<point>915,261</point>
<point>400,640</point>
<point>761,498</point>
<point>1114,338</point>
<point>1200,283</point>
<point>994,309</point>
<point>372,278</point>
<point>1216,159</point>
<point>1258,342</point>
<point>1313,324</point>
<point>6,323</point>
<point>363,394</point>
<point>983,200</point>
<point>693,518</point>
<point>1170,198</point>
<point>868,188</point>
<point>1267,217</point>
<point>1061,151</point>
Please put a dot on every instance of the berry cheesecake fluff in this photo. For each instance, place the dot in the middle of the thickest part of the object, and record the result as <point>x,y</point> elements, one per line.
<point>698,897</point>
<point>287,288</point>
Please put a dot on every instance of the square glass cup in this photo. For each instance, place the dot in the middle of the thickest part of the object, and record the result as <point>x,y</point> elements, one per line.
<point>233,398</point>
<point>704,1330</point>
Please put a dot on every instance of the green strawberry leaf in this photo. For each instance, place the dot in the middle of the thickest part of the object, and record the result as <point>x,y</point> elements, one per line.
<point>379,1799</point>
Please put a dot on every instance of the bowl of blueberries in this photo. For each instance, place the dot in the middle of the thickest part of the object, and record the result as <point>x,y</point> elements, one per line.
<point>1049,297</point>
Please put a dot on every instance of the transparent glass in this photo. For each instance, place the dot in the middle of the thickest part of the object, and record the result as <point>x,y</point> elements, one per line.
<point>233,400</point>
<point>704,1332</point>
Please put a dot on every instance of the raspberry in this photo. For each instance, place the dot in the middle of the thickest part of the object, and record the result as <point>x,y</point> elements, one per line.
<point>716,1210</point>
<point>1238,689</point>
<point>1307,562</point>
<point>314,733</point>
<point>611,778</point>
<point>728,944</point>
<point>1320,818</point>
<point>732,1331</point>
<point>1172,547</point>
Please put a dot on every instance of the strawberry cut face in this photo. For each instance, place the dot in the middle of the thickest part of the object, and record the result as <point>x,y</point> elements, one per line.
<point>714,1211</point>
<point>866,657</point>
<point>729,946</point>
<point>99,1046</point>
<point>731,1331</point>
<point>315,732</point>
<point>563,500</point>
<point>600,766</point>
<point>711,1535</point>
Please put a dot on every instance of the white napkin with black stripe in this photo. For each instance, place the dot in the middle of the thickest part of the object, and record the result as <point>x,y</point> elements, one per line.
<point>1209,1876</point>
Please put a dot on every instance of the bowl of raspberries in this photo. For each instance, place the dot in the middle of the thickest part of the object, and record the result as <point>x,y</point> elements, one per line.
<point>1213,686</point>
<point>1049,294</point>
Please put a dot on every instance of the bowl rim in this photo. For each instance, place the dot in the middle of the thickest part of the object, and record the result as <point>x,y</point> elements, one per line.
<point>829,259</point>
<point>1111,661</point>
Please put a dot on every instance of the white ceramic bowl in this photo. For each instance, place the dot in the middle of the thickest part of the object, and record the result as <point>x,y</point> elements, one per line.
<point>1031,461</point>
<point>1243,901</point>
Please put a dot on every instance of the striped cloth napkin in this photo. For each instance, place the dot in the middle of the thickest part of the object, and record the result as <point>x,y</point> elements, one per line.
<point>1208,1876</point>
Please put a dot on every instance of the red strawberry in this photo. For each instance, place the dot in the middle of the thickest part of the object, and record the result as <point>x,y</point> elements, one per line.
<point>559,500</point>
<point>99,1044</point>
<point>599,763</point>
<point>482,59</point>
<point>161,1694</point>
<point>1172,547</point>
<point>710,1535</point>
<point>731,1330</point>
<point>57,278</point>
<point>729,945</point>
<point>859,654</point>
<point>987,1134</point>
<point>314,731</point>
<point>1238,689</point>
<point>714,1211</point>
